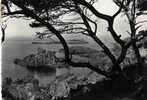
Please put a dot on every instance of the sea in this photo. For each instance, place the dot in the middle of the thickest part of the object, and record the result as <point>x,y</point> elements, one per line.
<point>19,49</point>
<point>12,49</point>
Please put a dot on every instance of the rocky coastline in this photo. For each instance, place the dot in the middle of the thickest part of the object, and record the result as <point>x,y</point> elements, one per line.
<point>42,60</point>
<point>72,86</point>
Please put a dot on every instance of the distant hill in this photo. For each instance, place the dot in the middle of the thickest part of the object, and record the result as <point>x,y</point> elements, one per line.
<point>73,41</point>
<point>77,41</point>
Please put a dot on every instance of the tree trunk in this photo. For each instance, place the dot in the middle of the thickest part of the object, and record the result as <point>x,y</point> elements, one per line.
<point>139,59</point>
<point>3,35</point>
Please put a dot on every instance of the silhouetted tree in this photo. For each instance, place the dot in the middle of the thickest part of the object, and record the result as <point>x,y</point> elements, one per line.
<point>50,14</point>
<point>3,27</point>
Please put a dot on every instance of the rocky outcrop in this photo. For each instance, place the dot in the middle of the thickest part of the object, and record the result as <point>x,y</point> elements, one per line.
<point>25,89</point>
<point>45,59</point>
<point>29,90</point>
<point>41,59</point>
<point>63,84</point>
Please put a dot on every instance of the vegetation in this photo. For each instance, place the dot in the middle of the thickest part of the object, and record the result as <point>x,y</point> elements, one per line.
<point>48,14</point>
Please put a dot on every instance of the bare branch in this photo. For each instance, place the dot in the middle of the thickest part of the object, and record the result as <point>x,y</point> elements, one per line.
<point>29,13</point>
<point>124,52</point>
<point>120,8</point>
<point>78,28</point>
<point>14,13</point>
<point>114,34</point>
<point>67,23</point>
<point>97,40</point>
<point>94,24</point>
<point>137,27</point>
<point>88,65</point>
<point>6,3</point>
<point>92,9</point>
<point>105,17</point>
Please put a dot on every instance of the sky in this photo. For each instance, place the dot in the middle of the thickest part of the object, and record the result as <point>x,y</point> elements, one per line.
<point>19,28</point>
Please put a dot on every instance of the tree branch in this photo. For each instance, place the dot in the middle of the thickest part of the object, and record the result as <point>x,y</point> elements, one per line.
<point>94,24</point>
<point>120,8</point>
<point>114,34</point>
<point>5,2</point>
<point>14,12</point>
<point>92,9</point>
<point>97,40</point>
<point>105,17</point>
<point>31,14</point>
<point>88,65</point>
<point>76,28</point>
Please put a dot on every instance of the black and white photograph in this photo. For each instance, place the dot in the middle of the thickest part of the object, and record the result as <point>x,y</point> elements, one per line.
<point>73,49</point>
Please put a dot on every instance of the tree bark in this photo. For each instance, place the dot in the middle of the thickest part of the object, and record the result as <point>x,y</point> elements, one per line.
<point>3,34</point>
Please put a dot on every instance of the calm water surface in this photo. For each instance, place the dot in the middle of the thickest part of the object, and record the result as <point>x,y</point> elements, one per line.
<point>19,49</point>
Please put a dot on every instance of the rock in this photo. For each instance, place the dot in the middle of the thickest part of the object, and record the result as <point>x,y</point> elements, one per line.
<point>19,62</point>
<point>59,89</point>
<point>21,91</point>
<point>42,60</point>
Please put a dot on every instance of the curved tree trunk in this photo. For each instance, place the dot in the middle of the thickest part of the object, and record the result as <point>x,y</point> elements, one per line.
<point>3,34</point>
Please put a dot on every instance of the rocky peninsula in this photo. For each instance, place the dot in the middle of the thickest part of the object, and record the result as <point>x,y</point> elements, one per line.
<point>77,82</point>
